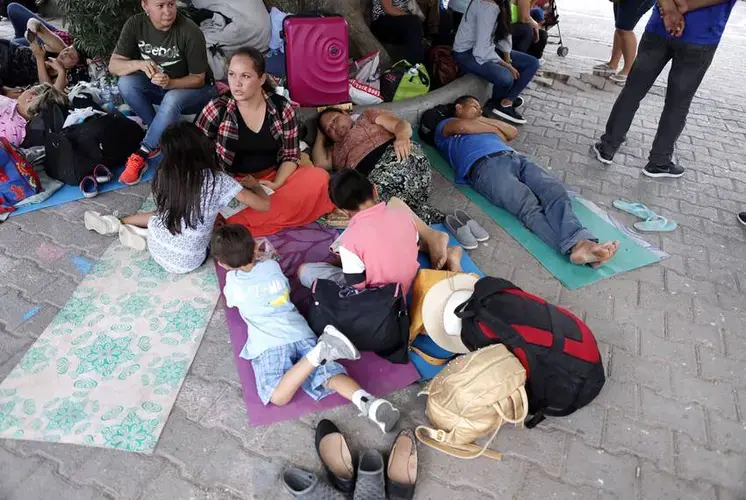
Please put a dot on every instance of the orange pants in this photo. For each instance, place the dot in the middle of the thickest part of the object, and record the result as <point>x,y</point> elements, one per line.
<point>301,200</point>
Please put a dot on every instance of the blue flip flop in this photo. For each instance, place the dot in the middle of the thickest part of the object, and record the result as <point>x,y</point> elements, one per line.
<point>637,209</point>
<point>656,224</point>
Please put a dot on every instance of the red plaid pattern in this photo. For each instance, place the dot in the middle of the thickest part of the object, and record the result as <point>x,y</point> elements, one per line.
<point>218,122</point>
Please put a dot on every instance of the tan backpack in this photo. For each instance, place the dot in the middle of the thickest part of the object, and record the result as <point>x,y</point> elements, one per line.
<point>472,397</point>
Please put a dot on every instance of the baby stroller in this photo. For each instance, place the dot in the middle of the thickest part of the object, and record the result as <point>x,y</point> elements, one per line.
<point>551,19</point>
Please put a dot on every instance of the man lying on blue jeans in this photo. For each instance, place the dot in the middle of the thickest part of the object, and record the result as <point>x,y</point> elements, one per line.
<point>686,32</point>
<point>161,58</point>
<point>478,152</point>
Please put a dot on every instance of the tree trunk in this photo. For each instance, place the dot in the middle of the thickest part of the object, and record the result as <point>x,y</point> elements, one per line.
<point>357,14</point>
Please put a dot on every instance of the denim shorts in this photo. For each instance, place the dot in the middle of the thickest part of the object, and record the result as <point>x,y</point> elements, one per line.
<point>272,364</point>
<point>627,13</point>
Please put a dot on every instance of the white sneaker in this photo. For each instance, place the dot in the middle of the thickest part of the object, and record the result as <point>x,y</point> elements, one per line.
<point>382,413</point>
<point>133,237</point>
<point>102,224</point>
<point>334,345</point>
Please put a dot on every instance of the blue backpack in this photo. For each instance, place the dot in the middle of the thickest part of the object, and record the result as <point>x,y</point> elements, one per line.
<point>18,179</point>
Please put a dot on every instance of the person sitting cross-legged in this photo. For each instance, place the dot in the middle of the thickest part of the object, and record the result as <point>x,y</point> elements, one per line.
<point>478,152</point>
<point>284,352</point>
<point>160,58</point>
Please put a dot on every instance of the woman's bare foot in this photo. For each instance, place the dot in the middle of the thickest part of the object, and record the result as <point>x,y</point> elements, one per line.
<point>453,259</point>
<point>437,248</point>
<point>590,252</point>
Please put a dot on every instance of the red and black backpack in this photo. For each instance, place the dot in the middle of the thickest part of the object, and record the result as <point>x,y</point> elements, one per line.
<point>560,354</point>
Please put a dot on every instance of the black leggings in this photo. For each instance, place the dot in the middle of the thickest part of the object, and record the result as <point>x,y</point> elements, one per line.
<point>402,30</point>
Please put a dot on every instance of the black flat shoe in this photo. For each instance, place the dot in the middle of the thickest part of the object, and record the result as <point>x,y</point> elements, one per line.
<point>401,473</point>
<point>335,455</point>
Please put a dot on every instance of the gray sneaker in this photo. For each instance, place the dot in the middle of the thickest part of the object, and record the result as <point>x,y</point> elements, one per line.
<point>335,345</point>
<point>462,232</point>
<point>382,413</point>
<point>480,233</point>
<point>306,485</point>
<point>370,483</point>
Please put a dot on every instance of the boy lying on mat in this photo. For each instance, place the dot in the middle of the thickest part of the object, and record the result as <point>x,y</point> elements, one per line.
<point>282,348</point>
<point>477,149</point>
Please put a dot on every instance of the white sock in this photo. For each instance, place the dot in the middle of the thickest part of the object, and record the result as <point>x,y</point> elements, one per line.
<point>314,356</point>
<point>361,397</point>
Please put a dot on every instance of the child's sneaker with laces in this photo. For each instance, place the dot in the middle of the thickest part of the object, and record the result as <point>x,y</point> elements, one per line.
<point>333,345</point>
<point>381,412</point>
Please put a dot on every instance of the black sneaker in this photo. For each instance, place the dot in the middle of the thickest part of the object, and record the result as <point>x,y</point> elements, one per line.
<point>518,102</point>
<point>508,113</point>
<point>668,170</point>
<point>742,218</point>
<point>601,155</point>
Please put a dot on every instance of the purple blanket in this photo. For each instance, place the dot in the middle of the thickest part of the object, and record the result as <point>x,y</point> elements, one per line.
<point>375,374</point>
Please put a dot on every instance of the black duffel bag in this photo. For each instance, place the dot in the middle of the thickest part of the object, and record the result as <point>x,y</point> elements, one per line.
<point>374,319</point>
<point>73,152</point>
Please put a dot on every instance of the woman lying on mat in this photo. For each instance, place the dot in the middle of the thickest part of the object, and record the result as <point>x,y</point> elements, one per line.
<point>20,106</point>
<point>255,134</point>
<point>477,149</point>
<point>379,145</point>
<point>188,189</point>
<point>45,56</point>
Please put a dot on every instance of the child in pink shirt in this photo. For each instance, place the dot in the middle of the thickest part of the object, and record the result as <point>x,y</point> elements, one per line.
<point>380,244</point>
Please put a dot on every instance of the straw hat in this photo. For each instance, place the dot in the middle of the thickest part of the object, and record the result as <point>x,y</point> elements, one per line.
<point>441,300</point>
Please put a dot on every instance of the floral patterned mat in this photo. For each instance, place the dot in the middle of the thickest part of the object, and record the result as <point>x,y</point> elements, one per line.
<point>107,370</point>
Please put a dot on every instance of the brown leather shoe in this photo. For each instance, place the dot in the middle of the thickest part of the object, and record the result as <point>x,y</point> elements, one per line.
<point>401,474</point>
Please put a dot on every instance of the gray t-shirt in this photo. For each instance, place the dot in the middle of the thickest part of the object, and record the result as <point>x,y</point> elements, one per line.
<point>185,252</point>
<point>477,30</point>
<point>180,51</point>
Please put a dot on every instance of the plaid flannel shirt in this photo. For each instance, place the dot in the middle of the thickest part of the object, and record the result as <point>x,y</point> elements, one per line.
<point>218,122</point>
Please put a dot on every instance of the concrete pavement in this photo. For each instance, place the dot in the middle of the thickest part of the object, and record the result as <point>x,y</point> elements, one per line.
<point>670,422</point>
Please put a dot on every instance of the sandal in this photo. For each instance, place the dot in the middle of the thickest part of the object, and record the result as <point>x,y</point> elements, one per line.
<point>89,186</point>
<point>101,173</point>
<point>656,224</point>
<point>637,209</point>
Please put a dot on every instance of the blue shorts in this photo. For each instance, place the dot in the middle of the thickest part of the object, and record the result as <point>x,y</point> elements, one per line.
<point>627,13</point>
<point>272,364</point>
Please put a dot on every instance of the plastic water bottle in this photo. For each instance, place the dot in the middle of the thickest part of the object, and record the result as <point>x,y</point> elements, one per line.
<point>116,96</point>
<point>105,94</point>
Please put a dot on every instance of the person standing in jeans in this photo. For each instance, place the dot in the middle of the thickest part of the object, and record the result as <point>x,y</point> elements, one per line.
<point>475,52</point>
<point>691,50</point>
<point>477,149</point>
<point>627,13</point>
<point>394,22</point>
<point>160,58</point>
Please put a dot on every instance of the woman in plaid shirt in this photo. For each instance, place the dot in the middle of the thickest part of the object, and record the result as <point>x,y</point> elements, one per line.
<point>255,132</point>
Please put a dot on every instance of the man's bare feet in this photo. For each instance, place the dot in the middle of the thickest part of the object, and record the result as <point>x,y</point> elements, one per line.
<point>590,252</point>
<point>453,259</point>
<point>437,247</point>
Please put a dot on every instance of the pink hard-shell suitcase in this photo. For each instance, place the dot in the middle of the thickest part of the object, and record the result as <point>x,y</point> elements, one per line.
<point>316,51</point>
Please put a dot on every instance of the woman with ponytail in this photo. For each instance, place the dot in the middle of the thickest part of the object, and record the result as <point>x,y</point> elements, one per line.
<point>255,132</point>
<point>475,52</point>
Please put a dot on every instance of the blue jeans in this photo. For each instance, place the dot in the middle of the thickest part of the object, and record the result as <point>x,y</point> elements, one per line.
<point>503,84</point>
<point>138,91</point>
<point>19,16</point>
<point>539,200</point>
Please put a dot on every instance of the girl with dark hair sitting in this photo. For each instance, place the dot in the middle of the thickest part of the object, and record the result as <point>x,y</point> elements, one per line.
<point>255,135</point>
<point>189,189</point>
<point>475,52</point>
